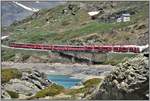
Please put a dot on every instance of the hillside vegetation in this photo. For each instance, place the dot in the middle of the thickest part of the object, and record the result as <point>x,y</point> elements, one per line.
<point>49,91</point>
<point>70,24</point>
<point>11,73</point>
<point>66,24</point>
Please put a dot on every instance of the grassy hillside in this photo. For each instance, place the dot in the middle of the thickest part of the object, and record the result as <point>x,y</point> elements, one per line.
<point>71,24</point>
<point>8,74</point>
<point>66,22</point>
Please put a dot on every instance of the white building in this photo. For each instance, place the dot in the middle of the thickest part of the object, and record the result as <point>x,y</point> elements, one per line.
<point>119,20</point>
<point>124,18</point>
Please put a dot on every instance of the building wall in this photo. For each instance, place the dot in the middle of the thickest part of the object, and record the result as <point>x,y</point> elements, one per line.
<point>125,19</point>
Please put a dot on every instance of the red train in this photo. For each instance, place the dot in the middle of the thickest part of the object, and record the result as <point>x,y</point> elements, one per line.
<point>94,48</point>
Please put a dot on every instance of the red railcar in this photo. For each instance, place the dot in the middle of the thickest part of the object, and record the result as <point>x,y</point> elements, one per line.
<point>106,48</point>
<point>95,48</point>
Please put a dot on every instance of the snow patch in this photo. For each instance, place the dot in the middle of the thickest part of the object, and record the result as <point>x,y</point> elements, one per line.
<point>93,13</point>
<point>25,7</point>
<point>3,37</point>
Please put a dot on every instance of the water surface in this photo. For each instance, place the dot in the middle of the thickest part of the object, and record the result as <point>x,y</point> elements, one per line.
<point>64,80</point>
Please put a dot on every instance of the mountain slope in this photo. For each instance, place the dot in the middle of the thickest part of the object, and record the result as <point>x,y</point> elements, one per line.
<point>12,12</point>
<point>68,23</point>
<point>71,24</point>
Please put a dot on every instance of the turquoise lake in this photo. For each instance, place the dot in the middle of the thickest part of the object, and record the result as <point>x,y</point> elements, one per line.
<point>64,80</point>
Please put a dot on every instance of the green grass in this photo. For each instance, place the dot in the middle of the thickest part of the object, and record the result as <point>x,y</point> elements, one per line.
<point>59,60</point>
<point>7,55</point>
<point>10,73</point>
<point>52,90</point>
<point>30,28</point>
<point>87,85</point>
<point>13,94</point>
<point>38,30</point>
<point>115,58</point>
<point>92,82</point>
<point>93,27</point>
<point>56,89</point>
<point>25,57</point>
<point>68,26</point>
<point>39,36</point>
<point>111,58</point>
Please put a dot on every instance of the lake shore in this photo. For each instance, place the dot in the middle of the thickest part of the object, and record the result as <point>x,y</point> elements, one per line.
<point>79,71</point>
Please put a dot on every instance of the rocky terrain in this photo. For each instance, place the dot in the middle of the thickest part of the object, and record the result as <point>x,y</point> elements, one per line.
<point>27,85</point>
<point>12,12</point>
<point>75,70</point>
<point>21,82</point>
<point>70,23</point>
<point>128,81</point>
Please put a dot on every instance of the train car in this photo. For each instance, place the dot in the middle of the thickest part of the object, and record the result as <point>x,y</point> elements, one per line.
<point>120,49</point>
<point>105,48</point>
<point>69,48</point>
<point>58,48</point>
<point>47,47</point>
<point>91,48</point>
<point>12,44</point>
<point>16,45</point>
<point>77,48</point>
<point>28,46</point>
<point>134,49</point>
<point>35,46</point>
<point>126,48</point>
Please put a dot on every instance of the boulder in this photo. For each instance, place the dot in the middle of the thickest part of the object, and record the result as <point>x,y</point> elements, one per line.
<point>21,87</point>
<point>29,84</point>
<point>127,81</point>
<point>4,94</point>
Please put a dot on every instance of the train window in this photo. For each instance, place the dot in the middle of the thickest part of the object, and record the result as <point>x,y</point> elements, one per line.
<point>131,49</point>
<point>47,47</point>
<point>37,46</point>
<point>123,49</point>
<point>106,49</point>
<point>100,49</point>
<point>88,48</point>
<point>134,49</point>
<point>137,50</point>
<point>116,49</point>
<point>96,47</point>
<point>109,48</point>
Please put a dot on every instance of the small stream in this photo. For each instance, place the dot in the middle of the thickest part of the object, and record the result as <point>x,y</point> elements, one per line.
<point>64,80</point>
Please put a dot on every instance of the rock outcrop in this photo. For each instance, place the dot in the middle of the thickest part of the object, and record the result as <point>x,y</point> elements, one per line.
<point>4,94</point>
<point>128,81</point>
<point>30,83</point>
